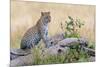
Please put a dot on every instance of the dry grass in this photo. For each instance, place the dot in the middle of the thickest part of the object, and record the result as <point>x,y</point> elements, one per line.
<point>25,14</point>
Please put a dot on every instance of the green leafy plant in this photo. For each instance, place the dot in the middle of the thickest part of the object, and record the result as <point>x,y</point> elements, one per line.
<point>72,27</point>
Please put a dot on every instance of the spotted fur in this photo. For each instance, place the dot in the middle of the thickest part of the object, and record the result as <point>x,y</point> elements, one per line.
<point>37,32</point>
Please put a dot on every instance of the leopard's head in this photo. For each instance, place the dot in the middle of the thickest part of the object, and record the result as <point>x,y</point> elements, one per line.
<point>46,16</point>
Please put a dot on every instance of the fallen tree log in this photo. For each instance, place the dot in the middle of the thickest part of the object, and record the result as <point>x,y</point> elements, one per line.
<point>91,52</point>
<point>14,53</point>
<point>72,41</point>
<point>22,60</point>
<point>25,57</point>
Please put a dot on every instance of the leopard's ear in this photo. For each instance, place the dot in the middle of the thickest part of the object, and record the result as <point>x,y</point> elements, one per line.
<point>42,13</point>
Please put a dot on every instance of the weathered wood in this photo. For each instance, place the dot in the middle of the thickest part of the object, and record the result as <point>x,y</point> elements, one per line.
<point>56,38</point>
<point>29,58</point>
<point>14,53</point>
<point>72,41</point>
<point>91,52</point>
<point>22,60</point>
<point>20,51</point>
<point>61,45</point>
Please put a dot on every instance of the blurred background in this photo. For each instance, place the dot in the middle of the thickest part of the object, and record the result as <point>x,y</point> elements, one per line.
<point>25,14</point>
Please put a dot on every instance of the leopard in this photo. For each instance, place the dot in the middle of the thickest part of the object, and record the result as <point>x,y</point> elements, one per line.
<point>37,32</point>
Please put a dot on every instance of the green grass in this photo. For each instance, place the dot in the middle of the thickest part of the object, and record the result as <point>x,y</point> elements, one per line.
<point>73,56</point>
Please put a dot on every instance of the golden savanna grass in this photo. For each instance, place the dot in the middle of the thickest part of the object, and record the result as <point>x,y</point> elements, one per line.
<point>25,14</point>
